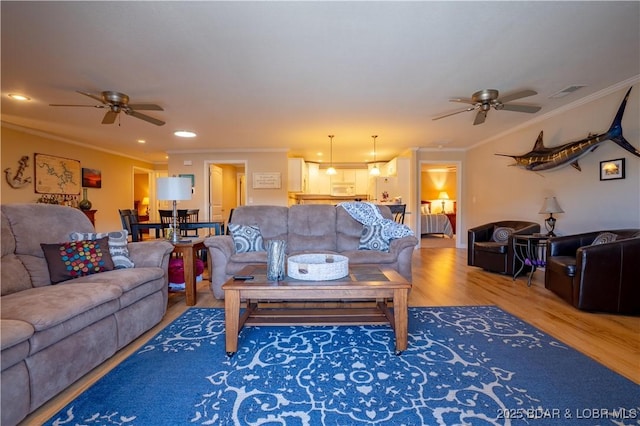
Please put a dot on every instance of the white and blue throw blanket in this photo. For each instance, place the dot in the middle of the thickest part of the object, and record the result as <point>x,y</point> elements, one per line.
<point>369,214</point>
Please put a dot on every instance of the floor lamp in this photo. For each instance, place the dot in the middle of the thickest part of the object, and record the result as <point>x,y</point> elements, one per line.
<point>174,189</point>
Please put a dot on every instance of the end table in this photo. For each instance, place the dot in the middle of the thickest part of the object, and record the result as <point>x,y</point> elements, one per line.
<point>530,250</point>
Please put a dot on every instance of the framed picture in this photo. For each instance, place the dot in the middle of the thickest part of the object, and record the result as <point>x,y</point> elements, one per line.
<point>57,175</point>
<point>91,178</point>
<point>192,177</point>
<point>268,180</point>
<point>612,169</point>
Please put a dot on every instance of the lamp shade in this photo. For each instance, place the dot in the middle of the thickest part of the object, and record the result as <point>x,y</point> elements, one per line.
<point>173,188</point>
<point>145,201</point>
<point>550,206</point>
<point>443,196</point>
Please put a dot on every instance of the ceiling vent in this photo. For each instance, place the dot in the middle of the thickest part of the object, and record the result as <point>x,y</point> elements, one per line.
<point>567,91</point>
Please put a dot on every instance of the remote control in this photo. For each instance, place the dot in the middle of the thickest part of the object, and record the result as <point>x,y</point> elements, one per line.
<point>242,277</point>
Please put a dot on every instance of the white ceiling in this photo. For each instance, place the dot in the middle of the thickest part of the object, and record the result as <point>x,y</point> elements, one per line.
<point>284,75</point>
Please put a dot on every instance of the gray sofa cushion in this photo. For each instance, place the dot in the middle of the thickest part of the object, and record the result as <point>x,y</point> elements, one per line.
<point>272,220</point>
<point>14,335</point>
<point>48,311</point>
<point>311,227</point>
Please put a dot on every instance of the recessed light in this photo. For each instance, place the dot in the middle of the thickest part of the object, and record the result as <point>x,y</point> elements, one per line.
<point>184,134</point>
<point>141,141</point>
<point>18,97</point>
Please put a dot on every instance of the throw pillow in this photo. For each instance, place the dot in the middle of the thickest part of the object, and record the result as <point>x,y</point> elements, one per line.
<point>246,238</point>
<point>604,237</point>
<point>77,258</point>
<point>373,239</point>
<point>501,234</point>
<point>117,245</point>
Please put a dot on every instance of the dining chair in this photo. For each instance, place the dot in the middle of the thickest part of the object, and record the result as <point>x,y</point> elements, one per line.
<point>125,215</point>
<point>166,218</point>
<point>128,217</point>
<point>398,211</point>
<point>190,216</point>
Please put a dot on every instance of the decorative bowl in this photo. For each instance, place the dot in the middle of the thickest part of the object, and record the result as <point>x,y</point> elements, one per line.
<point>317,266</point>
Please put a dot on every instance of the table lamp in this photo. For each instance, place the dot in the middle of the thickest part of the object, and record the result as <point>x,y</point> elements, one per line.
<point>174,189</point>
<point>145,204</point>
<point>443,196</point>
<point>550,206</point>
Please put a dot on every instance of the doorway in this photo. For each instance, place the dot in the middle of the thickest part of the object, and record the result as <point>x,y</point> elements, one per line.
<point>142,197</point>
<point>440,189</point>
<point>226,188</point>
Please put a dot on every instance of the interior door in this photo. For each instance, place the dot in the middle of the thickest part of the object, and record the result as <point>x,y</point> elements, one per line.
<point>215,193</point>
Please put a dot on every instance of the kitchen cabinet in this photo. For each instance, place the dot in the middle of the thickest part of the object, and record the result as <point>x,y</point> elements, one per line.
<point>297,179</point>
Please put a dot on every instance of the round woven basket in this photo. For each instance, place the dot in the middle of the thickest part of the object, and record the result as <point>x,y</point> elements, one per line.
<point>317,266</point>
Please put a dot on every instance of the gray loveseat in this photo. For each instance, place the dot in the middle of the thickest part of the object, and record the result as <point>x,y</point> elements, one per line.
<point>54,334</point>
<point>306,228</point>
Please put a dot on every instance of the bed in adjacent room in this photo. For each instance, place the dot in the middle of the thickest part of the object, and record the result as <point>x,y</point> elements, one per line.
<point>434,223</point>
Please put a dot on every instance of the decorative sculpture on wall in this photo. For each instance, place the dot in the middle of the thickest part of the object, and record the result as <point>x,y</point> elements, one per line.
<point>543,158</point>
<point>17,181</point>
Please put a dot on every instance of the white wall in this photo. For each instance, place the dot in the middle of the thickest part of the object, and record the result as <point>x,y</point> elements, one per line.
<point>495,191</point>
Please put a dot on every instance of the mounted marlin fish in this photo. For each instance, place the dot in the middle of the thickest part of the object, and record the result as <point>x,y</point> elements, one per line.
<point>543,158</point>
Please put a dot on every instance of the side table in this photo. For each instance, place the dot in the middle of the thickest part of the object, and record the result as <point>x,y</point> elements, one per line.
<point>188,248</point>
<point>530,250</point>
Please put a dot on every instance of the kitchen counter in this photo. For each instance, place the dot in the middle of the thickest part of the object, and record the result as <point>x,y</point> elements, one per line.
<point>327,199</point>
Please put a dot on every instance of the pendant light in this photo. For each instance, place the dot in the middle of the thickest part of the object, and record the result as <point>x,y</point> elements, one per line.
<point>331,170</point>
<point>375,171</point>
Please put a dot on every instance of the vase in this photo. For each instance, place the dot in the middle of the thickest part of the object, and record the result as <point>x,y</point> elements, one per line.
<point>275,259</point>
<point>84,204</point>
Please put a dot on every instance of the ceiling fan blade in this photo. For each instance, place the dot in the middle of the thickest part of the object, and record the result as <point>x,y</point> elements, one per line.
<point>480,117</point>
<point>73,105</point>
<point>463,100</point>
<point>454,113</point>
<point>92,96</point>
<point>145,117</point>
<point>521,108</point>
<point>517,95</point>
<point>109,117</point>
<point>146,107</point>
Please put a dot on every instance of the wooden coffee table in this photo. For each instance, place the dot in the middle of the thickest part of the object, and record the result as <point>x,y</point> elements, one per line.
<point>364,282</point>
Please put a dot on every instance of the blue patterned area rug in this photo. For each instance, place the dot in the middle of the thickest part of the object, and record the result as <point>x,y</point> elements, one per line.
<point>474,365</point>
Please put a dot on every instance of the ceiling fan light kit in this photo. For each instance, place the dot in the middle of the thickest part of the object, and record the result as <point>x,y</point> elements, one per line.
<point>484,100</point>
<point>117,102</point>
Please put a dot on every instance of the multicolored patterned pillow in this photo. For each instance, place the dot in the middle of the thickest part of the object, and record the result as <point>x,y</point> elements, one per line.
<point>501,234</point>
<point>372,238</point>
<point>77,258</point>
<point>117,245</point>
<point>246,238</point>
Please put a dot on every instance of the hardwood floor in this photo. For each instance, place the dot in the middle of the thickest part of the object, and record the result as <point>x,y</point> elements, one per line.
<point>441,277</point>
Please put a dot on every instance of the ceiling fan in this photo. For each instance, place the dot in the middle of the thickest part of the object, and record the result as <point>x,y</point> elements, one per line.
<point>486,99</point>
<point>117,102</point>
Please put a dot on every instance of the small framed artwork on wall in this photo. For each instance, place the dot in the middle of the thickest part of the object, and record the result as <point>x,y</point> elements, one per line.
<point>91,178</point>
<point>612,169</point>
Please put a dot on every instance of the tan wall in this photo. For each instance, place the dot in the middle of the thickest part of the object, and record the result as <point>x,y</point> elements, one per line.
<point>494,190</point>
<point>435,181</point>
<point>255,162</point>
<point>117,174</point>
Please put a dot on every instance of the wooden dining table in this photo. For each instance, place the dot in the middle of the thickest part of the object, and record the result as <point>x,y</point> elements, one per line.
<point>183,226</point>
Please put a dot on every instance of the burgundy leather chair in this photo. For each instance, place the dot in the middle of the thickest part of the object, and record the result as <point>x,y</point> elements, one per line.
<point>596,277</point>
